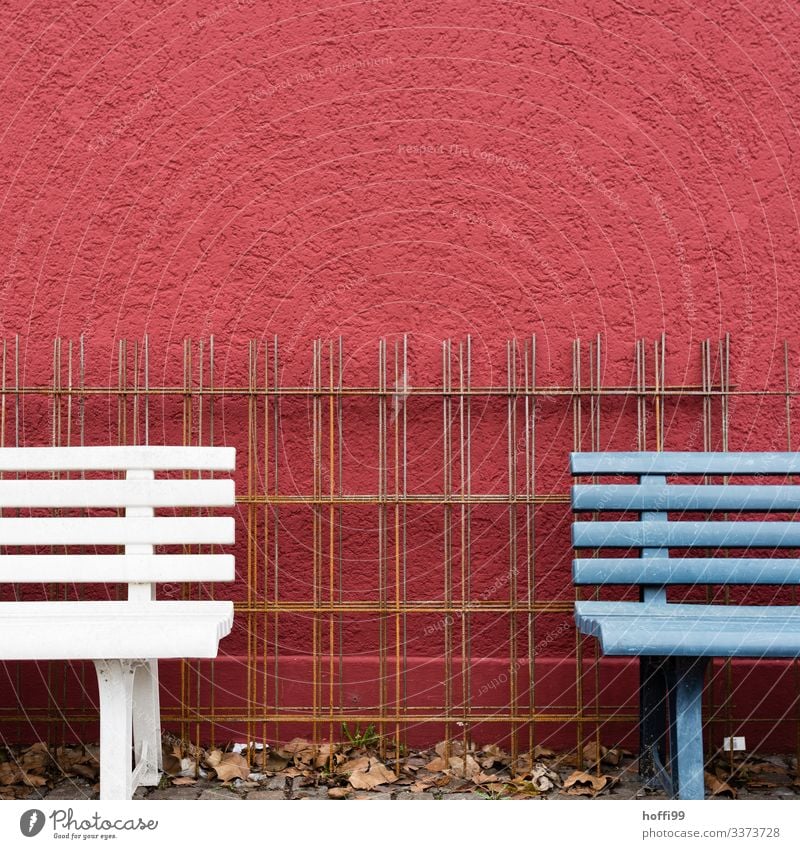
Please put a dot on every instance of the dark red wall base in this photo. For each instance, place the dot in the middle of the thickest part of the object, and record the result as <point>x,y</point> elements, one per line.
<point>764,703</point>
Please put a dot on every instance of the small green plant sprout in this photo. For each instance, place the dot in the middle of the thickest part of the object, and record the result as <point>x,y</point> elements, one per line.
<point>367,739</point>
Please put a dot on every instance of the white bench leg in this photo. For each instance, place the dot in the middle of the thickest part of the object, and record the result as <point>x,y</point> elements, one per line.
<point>115,680</point>
<point>147,723</point>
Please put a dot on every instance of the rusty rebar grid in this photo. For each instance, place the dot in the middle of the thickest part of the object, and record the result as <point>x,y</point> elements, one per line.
<point>137,409</point>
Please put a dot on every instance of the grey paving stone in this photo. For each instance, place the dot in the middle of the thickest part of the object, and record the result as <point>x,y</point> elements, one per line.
<point>220,795</point>
<point>414,797</point>
<point>190,792</point>
<point>311,793</point>
<point>69,790</point>
<point>265,794</point>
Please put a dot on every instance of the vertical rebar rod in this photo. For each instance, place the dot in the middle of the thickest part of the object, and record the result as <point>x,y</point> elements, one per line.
<point>332,511</point>
<point>447,545</point>
<point>463,559</point>
<point>511,427</point>
<point>577,441</point>
<point>276,434</point>
<point>530,537</point>
<point>383,543</point>
<point>595,357</point>
<point>788,415</point>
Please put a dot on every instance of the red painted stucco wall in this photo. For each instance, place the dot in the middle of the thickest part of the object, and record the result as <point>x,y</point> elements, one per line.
<point>369,169</point>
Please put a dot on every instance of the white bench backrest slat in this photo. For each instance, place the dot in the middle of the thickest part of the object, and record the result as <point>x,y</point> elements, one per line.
<point>115,568</point>
<point>157,530</point>
<point>81,493</point>
<point>117,457</point>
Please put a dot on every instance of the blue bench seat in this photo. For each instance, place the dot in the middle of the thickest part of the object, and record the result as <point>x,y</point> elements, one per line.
<point>699,630</point>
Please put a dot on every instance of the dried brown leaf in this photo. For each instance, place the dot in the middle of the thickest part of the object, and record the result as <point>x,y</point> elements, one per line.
<point>338,793</point>
<point>463,767</point>
<point>718,787</point>
<point>353,764</point>
<point>542,752</point>
<point>766,766</point>
<point>299,749</point>
<point>183,781</point>
<point>456,749</point>
<point>593,752</point>
<point>491,755</point>
<point>228,766</point>
<point>581,783</point>
<point>614,756</point>
<point>770,779</point>
<point>324,755</point>
<point>10,774</point>
<point>370,776</point>
<point>171,764</point>
<point>85,771</point>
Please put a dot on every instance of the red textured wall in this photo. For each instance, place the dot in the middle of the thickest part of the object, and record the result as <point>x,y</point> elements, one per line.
<point>374,168</point>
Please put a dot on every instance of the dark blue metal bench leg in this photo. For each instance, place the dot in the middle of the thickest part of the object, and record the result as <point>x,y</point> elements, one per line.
<point>686,727</point>
<point>653,721</point>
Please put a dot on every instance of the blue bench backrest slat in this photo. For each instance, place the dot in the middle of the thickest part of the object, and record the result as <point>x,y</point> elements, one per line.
<point>685,497</point>
<point>742,534</point>
<point>686,570</point>
<point>684,463</point>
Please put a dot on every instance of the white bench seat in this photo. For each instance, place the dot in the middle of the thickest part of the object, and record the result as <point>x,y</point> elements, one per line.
<point>124,639</point>
<point>88,630</point>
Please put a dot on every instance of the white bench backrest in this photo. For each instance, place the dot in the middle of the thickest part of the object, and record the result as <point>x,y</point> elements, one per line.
<point>139,530</point>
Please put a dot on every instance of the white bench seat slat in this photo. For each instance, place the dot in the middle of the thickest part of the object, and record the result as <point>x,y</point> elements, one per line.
<point>85,494</point>
<point>115,568</point>
<point>117,457</point>
<point>87,630</point>
<point>158,530</point>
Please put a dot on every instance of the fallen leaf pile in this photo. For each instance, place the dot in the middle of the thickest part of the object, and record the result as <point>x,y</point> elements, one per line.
<point>345,770</point>
<point>727,774</point>
<point>39,766</point>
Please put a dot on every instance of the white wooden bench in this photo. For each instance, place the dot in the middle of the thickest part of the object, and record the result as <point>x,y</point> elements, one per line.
<point>125,639</point>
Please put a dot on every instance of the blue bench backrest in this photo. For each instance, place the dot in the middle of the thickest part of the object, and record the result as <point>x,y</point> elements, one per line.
<point>653,535</point>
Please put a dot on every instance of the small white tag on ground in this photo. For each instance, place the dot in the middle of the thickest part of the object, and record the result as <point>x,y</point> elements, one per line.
<point>735,744</point>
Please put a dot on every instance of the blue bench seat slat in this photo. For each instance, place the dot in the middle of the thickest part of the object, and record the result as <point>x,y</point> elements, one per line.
<point>691,630</point>
<point>685,463</point>
<point>742,534</point>
<point>685,497</point>
<point>685,570</point>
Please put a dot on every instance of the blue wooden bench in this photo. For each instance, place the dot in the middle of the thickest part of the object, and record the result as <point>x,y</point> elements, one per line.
<point>675,640</point>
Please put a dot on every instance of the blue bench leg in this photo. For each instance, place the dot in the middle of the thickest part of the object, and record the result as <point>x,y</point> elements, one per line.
<point>686,727</point>
<point>653,721</point>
